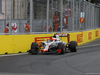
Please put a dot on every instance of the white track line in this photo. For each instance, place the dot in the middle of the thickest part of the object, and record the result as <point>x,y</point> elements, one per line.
<point>90,46</point>
<point>13,54</point>
<point>19,74</point>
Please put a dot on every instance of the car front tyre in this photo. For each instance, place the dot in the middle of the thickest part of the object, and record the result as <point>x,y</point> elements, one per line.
<point>34,48</point>
<point>73,46</point>
<point>61,47</point>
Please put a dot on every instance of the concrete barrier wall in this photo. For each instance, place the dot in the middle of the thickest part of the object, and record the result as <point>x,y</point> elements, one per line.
<point>10,44</point>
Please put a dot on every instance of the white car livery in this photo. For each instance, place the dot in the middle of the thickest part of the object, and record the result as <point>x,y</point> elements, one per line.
<point>55,45</point>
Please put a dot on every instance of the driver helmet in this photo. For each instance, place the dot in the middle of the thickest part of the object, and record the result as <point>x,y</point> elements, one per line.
<point>54,36</point>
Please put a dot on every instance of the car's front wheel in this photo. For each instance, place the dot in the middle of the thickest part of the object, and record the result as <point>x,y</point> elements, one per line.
<point>61,48</point>
<point>34,48</point>
<point>73,46</point>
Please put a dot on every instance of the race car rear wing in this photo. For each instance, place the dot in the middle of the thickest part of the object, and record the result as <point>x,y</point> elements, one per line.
<point>64,35</point>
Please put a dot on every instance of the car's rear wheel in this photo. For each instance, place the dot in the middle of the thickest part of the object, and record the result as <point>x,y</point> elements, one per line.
<point>61,48</point>
<point>34,48</point>
<point>73,46</point>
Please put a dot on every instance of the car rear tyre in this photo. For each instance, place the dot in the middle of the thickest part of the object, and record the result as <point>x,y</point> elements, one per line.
<point>34,48</point>
<point>61,46</point>
<point>73,46</point>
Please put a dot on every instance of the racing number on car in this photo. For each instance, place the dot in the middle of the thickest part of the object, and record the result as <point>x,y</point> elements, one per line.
<point>80,38</point>
<point>89,35</point>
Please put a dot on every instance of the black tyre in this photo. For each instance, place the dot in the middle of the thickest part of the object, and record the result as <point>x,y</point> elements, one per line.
<point>73,46</point>
<point>34,48</point>
<point>61,46</point>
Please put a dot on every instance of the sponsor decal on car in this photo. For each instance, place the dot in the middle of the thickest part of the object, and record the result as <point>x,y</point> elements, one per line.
<point>62,34</point>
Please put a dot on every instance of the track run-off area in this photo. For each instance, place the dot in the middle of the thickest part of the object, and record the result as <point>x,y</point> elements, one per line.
<point>86,61</point>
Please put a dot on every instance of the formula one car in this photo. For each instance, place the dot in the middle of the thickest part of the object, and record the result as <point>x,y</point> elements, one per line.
<point>54,45</point>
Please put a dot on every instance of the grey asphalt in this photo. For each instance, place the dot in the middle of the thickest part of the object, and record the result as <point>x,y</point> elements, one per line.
<point>84,62</point>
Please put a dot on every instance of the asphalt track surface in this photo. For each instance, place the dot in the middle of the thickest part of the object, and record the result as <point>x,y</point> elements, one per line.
<point>84,62</point>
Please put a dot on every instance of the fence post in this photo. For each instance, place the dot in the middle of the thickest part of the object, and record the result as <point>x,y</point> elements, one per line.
<point>31,15</point>
<point>10,15</point>
<point>93,17</point>
<point>47,14</point>
<point>52,4</point>
<point>61,23</point>
<point>80,10</point>
<point>73,15</point>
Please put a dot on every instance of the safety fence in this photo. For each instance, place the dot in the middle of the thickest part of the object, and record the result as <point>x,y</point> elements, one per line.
<point>22,43</point>
<point>48,16</point>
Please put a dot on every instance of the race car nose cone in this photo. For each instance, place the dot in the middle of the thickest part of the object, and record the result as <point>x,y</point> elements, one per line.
<point>59,50</point>
<point>44,50</point>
